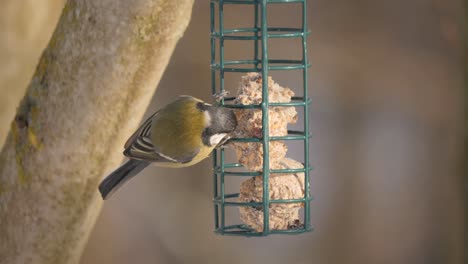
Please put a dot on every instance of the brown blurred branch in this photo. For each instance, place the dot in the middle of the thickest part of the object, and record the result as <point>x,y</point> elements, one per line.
<point>90,89</point>
<point>25,28</point>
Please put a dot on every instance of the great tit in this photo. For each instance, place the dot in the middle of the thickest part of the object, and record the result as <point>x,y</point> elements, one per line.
<point>181,134</point>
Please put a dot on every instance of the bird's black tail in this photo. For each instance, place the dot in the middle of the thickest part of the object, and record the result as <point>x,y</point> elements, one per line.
<point>118,177</point>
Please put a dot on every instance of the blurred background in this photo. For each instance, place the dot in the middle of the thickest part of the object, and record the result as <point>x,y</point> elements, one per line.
<point>387,117</point>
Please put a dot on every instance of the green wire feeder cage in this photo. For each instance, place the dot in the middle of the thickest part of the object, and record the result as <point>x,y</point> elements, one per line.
<point>259,222</point>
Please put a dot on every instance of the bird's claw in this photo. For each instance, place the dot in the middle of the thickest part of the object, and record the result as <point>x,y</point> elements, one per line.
<point>220,96</point>
<point>223,142</point>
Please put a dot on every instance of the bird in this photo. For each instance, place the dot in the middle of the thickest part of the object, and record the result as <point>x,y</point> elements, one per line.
<point>181,134</point>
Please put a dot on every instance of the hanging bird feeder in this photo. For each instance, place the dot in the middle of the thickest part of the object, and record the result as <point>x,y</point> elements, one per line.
<point>264,109</point>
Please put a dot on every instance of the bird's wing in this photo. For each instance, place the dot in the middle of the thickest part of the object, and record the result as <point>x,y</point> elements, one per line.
<point>139,131</point>
<point>139,146</point>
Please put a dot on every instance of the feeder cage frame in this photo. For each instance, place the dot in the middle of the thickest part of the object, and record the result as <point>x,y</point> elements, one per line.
<point>259,34</point>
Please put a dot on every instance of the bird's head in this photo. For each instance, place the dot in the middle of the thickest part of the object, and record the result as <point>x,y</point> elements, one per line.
<point>219,123</point>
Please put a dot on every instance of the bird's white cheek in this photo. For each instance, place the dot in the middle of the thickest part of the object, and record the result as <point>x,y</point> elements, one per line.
<point>207,119</point>
<point>215,139</point>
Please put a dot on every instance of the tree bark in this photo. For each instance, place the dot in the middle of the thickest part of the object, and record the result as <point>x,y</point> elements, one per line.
<point>89,92</point>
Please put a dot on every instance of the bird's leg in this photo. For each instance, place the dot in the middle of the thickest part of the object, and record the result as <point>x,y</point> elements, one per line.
<point>222,142</point>
<point>220,96</point>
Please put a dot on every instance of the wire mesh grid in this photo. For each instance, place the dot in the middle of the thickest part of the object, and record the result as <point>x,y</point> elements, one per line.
<point>259,34</point>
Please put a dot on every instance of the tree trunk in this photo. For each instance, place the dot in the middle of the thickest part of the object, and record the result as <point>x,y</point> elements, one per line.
<point>89,92</point>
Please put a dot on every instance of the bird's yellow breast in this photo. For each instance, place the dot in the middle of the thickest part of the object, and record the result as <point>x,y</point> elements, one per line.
<point>177,131</point>
<point>203,154</point>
